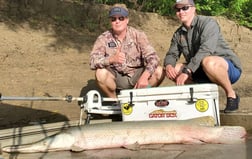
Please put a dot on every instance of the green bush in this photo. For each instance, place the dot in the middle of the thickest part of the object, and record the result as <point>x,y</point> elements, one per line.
<point>237,10</point>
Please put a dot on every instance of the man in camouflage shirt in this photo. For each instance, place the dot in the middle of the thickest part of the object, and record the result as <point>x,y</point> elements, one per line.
<point>123,57</point>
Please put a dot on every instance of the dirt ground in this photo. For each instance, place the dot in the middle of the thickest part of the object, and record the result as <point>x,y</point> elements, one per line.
<point>54,62</point>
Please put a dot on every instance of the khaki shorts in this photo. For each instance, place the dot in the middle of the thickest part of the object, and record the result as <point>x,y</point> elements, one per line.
<point>123,81</point>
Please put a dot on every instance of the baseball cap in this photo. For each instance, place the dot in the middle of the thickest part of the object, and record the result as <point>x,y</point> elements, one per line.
<point>118,11</point>
<point>184,2</point>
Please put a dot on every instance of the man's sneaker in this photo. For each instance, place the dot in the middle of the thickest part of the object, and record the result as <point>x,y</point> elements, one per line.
<point>232,104</point>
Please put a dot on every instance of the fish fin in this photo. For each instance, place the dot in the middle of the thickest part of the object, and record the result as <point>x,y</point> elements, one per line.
<point>152,146</point>
<point>76,149</point>
<point>193,141</point>
<point>133,147</point>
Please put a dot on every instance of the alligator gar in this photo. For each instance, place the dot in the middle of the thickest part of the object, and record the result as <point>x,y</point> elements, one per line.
<point>123,134</point>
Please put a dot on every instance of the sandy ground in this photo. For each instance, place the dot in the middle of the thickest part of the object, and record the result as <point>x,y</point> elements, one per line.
<point>51,61</point>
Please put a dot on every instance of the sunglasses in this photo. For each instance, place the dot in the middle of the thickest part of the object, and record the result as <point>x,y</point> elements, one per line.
<point>185,8</point>
<point>115,18</point>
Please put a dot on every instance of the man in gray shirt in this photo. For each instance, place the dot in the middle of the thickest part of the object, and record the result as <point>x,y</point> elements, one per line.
<point>208,57</point>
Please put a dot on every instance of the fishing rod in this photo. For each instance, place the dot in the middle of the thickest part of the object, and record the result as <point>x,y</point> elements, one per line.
<point>68,98</point>
<point>91,103</point>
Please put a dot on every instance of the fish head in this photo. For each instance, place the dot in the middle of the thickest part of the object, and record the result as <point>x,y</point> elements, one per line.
<point>62,141</point>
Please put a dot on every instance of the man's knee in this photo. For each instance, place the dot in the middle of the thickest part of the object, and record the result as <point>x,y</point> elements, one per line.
<point>208,62</point>
<point>103,74</point>
<point>213,63</point>
<point>159,72</point>
<point>158,76</point>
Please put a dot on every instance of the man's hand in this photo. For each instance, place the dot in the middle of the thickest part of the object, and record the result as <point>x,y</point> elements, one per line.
<point>143,81</point>
<point>171,72</point>
<point>185,76</point>
<point>118,58</point>
<point>182,78</point>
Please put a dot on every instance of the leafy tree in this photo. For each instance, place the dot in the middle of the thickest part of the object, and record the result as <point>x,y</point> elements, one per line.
<point>238,10</point>
<point>212,7</point>
<point>241,11</point>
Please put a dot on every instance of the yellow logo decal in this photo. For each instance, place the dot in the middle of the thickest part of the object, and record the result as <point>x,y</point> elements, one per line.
<point>201,105</point>
<point>126,109</point>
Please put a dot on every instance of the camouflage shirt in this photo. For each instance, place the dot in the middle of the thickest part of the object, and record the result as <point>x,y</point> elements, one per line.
<point>138,51</point>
